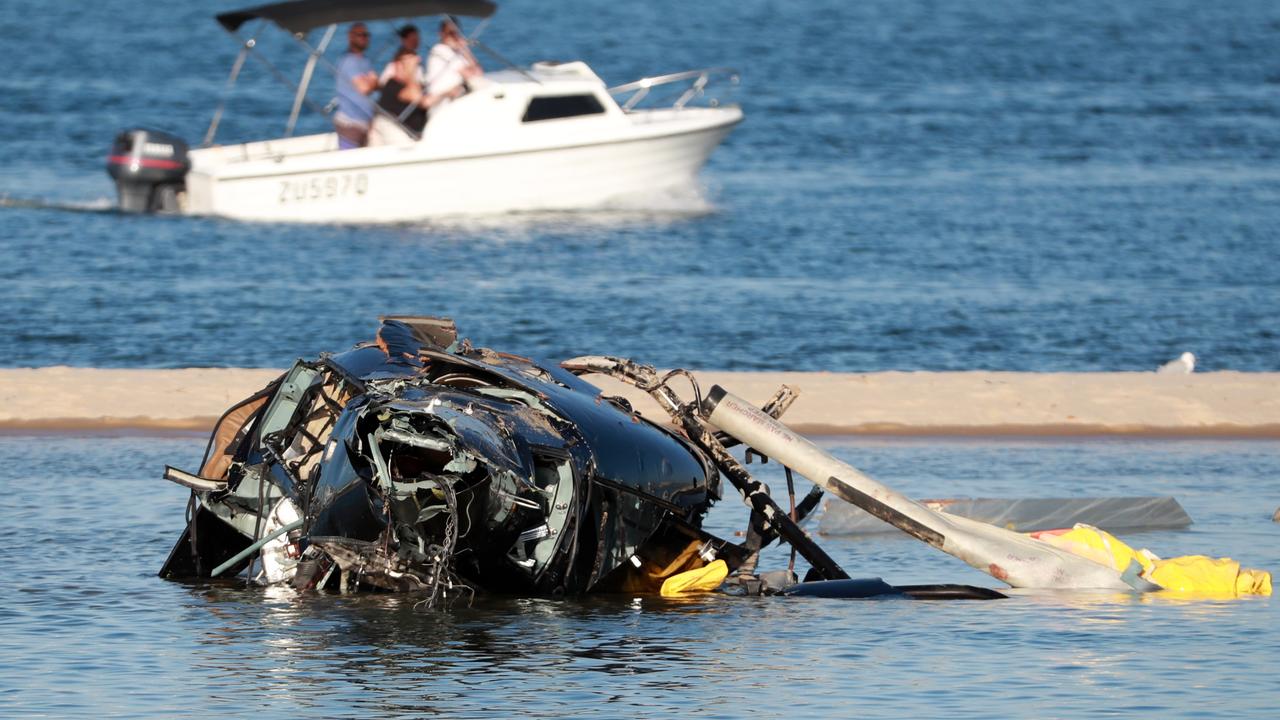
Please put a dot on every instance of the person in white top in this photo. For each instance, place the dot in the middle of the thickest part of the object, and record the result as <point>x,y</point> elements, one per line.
<point>451,67</point>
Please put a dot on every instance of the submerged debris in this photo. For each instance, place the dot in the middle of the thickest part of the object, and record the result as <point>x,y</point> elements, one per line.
<point>1130,514</point>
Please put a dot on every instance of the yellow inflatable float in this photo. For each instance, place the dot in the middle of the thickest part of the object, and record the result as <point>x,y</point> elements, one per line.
<point>1187,575</point>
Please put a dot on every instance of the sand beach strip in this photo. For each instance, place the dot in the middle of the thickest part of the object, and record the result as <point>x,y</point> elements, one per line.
<point>1214,404</point>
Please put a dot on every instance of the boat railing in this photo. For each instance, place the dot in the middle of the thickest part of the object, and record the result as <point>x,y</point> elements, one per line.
<point>696,87</point>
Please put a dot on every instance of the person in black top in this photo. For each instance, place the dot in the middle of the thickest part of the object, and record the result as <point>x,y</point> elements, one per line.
<point>409,39</point>
<point>402,95</point>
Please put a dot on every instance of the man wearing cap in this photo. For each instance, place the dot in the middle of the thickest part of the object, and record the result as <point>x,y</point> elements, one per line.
<point>356,80</point>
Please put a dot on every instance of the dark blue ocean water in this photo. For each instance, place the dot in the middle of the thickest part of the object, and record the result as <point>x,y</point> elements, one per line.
<point>1008,185</point>
<point>88,630</point>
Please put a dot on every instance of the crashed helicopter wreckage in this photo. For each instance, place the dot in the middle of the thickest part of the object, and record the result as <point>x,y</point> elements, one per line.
<point>419,463</point>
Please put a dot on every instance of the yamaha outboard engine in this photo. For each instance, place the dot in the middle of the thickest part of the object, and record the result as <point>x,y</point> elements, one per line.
<point>150,169</point>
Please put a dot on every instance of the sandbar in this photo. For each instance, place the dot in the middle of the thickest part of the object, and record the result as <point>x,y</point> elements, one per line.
<point>1213,404</point>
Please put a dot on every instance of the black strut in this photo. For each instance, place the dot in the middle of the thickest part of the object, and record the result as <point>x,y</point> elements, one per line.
<point>755,495</point>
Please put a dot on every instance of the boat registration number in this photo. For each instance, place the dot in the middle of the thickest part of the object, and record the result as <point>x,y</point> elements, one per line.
<point>323,187</point>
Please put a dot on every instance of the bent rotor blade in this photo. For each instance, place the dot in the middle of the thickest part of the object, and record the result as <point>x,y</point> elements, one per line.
<point>1013,558</point>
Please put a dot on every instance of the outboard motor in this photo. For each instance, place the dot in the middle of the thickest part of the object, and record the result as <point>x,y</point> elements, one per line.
<point>150,169</point>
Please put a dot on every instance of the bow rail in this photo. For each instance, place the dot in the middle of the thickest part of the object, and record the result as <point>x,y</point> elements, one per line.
<point>697,79</point>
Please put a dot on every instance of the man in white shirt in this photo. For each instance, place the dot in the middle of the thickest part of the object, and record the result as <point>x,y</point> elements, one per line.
<point>450,66</point>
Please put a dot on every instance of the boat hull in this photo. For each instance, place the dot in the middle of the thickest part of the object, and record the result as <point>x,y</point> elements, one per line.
<point>408,183</point>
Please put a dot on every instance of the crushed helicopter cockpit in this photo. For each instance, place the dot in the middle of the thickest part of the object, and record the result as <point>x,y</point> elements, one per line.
<point>419,463</point>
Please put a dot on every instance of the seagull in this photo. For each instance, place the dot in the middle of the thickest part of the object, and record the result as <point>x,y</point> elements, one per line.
<point>1185,363</point>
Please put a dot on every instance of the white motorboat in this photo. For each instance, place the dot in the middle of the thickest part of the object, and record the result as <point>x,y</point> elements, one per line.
<point>551,136</point>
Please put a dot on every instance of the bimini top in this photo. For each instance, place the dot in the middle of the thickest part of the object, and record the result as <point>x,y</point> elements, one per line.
<point>299,16</point>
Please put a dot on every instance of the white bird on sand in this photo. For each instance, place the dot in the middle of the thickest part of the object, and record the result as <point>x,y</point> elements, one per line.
<point>1184,365</point>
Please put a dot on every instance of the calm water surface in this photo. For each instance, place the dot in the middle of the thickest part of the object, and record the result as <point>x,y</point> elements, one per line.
<point>87,629</point>
<point>918,185</point>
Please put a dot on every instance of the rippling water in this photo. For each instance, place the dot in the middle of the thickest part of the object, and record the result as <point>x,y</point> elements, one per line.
<point>87,629</point>
<point>1001,185</point>
<point>918,185</point>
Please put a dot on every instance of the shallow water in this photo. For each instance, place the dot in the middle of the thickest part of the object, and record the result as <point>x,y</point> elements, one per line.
<point>917,185</point>
<point>87,628</point>
<point>948,186</point>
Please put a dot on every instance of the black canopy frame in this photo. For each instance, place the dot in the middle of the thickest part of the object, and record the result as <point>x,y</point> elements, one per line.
<point>300,16</point>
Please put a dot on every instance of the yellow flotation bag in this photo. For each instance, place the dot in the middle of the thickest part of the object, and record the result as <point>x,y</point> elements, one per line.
<point>1209,576</point>
<point>1097,545</point>
<point>1189,574</point>
<point>699,580</point>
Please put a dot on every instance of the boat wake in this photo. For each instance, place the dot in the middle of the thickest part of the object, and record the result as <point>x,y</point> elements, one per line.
<point>657,208</point>
<point>660,207</point>
<point>99,205</point>
<point>681,200</point>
